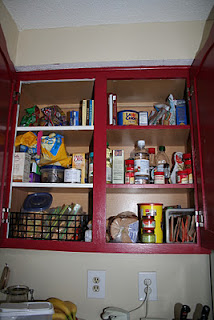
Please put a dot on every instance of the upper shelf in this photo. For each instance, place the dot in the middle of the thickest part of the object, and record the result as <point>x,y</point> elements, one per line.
<point>153,135</point>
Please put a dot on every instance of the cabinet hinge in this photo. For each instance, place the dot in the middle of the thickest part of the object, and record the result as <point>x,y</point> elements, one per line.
<point>199,218</point>
<point>5,215</point>
<point>16,97</point>
<point>190,92</point>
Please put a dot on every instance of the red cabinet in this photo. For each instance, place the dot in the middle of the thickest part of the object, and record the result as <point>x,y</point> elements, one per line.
<point>138,88</point>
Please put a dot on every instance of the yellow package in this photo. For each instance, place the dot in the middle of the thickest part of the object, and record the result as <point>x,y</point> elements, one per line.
<point>28,139</point>
<point>78,162</point>
<point>53,151</point>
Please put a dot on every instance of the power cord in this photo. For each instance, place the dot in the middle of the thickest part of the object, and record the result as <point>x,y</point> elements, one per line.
<point>146,300</point>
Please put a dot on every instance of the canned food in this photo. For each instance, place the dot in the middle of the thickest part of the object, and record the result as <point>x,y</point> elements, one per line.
<point>72,175</point>
<point>182,177</point>
<point>127,118</point>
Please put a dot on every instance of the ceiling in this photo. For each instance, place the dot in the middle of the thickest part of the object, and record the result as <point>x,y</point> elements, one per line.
<point>40,14</point>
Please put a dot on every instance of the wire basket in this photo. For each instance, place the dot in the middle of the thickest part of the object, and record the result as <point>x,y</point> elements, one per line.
<point>46,226</point>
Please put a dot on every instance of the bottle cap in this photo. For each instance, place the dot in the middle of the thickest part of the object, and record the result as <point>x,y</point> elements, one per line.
<point>151,150</point>
<point>187,156</point>
<point>141,143</point>
<point>161,148</point>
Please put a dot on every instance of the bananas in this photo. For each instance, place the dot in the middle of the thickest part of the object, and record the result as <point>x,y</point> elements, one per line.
<point>72,307</point>
<point>64,310</point>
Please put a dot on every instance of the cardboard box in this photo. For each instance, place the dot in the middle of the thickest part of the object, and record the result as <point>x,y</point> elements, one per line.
<point>21,167</point>
<point>118,167</point>
<point>78,162</point>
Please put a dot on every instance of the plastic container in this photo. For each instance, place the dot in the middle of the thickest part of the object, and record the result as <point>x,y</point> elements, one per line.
<point>152,164</point>
<point>26,310</point>
<point>37,202</point>
<point>141,163</point>
<point>53,174</point>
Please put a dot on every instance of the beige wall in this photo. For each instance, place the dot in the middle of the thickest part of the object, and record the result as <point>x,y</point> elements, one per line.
<point>10,31</point>
<point>180,278</point>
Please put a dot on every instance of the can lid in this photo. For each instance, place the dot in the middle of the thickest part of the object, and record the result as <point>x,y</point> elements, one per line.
<point>150,204</point>
<point>162,148</point>
<point>186,156</point>
<point>151,150</point>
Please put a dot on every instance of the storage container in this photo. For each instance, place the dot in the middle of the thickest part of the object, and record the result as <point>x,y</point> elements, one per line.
<point>26,310</point>
<point>54,174</point>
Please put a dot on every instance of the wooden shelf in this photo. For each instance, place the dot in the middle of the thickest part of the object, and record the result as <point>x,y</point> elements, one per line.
<point>59,187</point>
<point>149,188</point>
<point>153,135</point>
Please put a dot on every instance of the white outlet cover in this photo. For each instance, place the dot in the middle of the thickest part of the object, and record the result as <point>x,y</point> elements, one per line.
<point>96,284</point>
<point>142,276</point>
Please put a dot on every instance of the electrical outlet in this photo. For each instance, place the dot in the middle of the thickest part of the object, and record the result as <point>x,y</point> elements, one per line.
<point>96,284</point>
<point>149,278</point>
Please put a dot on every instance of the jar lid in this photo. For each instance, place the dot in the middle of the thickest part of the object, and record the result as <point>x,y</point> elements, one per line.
<point>186,156</point>
<point>151,150</point>
<point>37,202</point>
<point>129,161</point>
<point>159,173</point>
<point>162,148</point>
<point>182,172</point>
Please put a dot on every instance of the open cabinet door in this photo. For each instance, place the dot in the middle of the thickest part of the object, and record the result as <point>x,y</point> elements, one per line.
<point>202,85</point>
<point>7,82</point>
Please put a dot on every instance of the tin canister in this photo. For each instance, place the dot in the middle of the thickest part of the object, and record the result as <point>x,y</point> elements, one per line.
<point>72,175</point>
<point>156,210</point>
<point>127,118</point>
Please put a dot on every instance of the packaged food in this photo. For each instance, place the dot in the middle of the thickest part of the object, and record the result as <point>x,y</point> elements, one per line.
<point>178,165</point>
<point>182,177</point>
<point>52,173</point>
<point>108,164</point>
<point>159,177</point>
<point>21,167</point>
<point>181,114</point>
<point>53,116</point>
<point>143,118</point>
<point>172,102</point>
<point>72,175</point>
<point>123,227</point>
<point>127,118</point>
<point>78,162</point>
<point>31,117</point>
<point>118,167</point>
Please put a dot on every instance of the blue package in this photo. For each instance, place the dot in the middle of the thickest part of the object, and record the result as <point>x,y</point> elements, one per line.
<point>76,118</point>
<point>181,116</point>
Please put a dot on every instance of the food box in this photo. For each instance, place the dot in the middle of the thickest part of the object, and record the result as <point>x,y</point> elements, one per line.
<point>26,310</point>
<point>181,116</point>
<point>118,167</point>
<point>79,162</point>
<point>21,168</point>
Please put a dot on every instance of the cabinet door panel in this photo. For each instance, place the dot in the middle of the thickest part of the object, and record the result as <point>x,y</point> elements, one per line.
<point>6,89</point>
<point>203,117</point>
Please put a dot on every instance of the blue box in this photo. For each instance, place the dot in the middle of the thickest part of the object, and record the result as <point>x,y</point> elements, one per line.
<point>181,115</point>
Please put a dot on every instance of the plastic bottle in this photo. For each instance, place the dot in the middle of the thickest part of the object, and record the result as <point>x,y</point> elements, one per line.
<point>108,164</point>
<point>152,164</point>
<point>162,162</point>
<point>141,163</point>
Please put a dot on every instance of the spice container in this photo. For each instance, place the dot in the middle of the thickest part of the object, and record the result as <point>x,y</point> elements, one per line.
<point>159,177</point>
<point>129,171</point>
<point>148,222</point>
<point>182,177</point>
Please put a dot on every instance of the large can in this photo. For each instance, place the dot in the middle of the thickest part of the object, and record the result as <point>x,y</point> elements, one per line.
<point>156,210</point>
<point>127,118</point>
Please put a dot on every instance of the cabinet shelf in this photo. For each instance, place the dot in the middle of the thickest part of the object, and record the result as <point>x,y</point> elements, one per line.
<point>149,188</point>
<point>153,135</point>
<point>59,187</point>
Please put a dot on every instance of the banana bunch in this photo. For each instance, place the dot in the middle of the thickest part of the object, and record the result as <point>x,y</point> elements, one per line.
<point>63,310</point>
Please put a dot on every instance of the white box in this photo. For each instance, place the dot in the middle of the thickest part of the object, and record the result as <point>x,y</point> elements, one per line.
<point>26,310</point>
<point>21,167</point>
<point>118,167</point>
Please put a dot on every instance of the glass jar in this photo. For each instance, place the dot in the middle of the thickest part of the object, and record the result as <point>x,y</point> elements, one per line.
<point>148,236</point>
<point>129,171</point>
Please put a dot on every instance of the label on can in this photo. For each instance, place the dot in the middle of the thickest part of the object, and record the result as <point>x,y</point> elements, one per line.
<point>127,117</point>
<point>72,175</point>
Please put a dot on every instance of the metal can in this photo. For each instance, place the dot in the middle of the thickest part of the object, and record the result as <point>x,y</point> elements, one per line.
<point>72,175</point>
<point>127,118</point>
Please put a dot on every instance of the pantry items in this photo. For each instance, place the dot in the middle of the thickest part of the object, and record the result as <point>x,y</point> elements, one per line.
<point>19,293</point>
<point>182,177</point>
<point>180,225</point>
<point>143,118</point>
<point>152,164</point>
<point>21,167</point>
<point>141,163</point>
<point>151,210</point>
<point>118,167</point>
<point>123,228</point>
<point>52,174</point>
<point>79,162</point>
<point>148,228</point>
<point>108,164</point>
<point>159,177</point>
<point>162,162</point>
<point>26,310</point>
<point>66,308</point>
<point>127,118</point>
<point>37,202</point>
<point>129,171</point>
<point>90,168</point>
<point>72,175</point>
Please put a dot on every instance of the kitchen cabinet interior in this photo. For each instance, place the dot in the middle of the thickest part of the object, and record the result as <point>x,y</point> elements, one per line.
<point>136,88</point>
